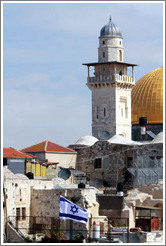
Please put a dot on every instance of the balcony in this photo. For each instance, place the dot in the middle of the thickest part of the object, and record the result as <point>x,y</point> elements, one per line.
<point>111,78</point>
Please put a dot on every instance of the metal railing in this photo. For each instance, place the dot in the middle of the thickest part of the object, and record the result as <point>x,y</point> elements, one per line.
<point>52,229</point>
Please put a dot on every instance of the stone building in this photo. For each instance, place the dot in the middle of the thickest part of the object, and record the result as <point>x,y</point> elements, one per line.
<point>117,102</point>
<point>32,206</point>
<point>111,86</point>
<point>16,160</point>
<point>47,151</point>
<point>108,162</point>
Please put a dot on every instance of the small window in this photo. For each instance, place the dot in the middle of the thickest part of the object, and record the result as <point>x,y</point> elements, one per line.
<point>126,113</point>
<point>121,112</point>
<point>97,112</point>
<point>98,163</point>
<point>23,213</point>
<point>18,213</point>
<point>129,161</point>
<point>120,55</point>
<point>103,42</point>
<point>104,112</point>
<point>103,54</point>
<point>120,73</point>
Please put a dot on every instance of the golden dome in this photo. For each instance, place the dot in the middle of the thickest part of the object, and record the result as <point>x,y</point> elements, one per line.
<point>147,98</point>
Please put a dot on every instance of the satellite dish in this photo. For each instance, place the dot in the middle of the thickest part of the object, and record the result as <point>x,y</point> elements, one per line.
<point>103,135</point>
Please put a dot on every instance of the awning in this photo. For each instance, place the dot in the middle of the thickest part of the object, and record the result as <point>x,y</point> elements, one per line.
<point>147,207</point>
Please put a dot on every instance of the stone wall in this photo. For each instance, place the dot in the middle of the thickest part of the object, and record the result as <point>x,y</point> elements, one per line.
<point>115,160</point>
<point>45,207</point>
<point>18,196</point>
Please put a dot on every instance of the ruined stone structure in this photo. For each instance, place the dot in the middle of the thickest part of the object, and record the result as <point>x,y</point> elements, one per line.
<point>132,163</point>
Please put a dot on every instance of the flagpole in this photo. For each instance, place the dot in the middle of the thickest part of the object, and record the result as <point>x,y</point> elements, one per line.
<point>59,230</point>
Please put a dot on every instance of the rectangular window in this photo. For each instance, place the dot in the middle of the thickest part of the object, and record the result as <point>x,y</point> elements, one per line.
<point>130,162</point>
<point>18,213</point>
<point>121,112</point>
<point>98,163</point>
<point>126,113</point>
<point>103,54</point>
<point>97,112</point>
<point>104,112</point>
<point>23,213</point>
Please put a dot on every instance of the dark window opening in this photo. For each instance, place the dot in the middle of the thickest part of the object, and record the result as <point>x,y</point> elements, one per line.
<point>98,163</point>
<point>129,161</point>
<point>120,55</point>
<point>18,213</point>
<point>23,213</point>
<point>4,161</point>
<point>103,42</point>
<point>104,112</point>
<point>120,73</point>
<point>103,54</point>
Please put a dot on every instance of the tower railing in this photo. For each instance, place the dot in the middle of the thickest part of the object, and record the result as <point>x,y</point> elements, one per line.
<point>111,78</point>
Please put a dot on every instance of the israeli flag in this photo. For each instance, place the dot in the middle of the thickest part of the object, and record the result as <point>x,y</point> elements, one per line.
<point>71,211</point>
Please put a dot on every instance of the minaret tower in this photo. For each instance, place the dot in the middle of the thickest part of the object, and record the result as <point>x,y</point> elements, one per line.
<point>110,86</point>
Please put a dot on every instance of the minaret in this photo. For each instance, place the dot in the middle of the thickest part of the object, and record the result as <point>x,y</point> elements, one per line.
<point>110,86</point>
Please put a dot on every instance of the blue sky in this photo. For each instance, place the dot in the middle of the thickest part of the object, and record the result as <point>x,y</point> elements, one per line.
<point>44,87</point>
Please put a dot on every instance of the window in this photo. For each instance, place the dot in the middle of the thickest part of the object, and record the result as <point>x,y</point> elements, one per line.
<point>23,213</point>
<point>103,42</point>
<point>120,73</point>
<point>97,112</point>
<point>120,55</point>
<point>103,54</point>
<point>18,213</point>
<point>126,112</point>
<point>104,112</point>
<point>129,161</point>
<point>121,112</point>
<point>98,163</point>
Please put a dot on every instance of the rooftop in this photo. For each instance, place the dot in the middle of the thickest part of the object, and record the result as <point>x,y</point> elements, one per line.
<point>10,152</point>
<point>47,146</point>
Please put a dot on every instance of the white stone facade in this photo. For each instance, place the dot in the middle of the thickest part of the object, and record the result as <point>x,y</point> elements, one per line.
<point>111,90</point>
<point>110,49</point>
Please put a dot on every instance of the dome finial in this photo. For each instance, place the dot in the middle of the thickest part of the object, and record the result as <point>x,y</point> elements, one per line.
<point>110,18</point>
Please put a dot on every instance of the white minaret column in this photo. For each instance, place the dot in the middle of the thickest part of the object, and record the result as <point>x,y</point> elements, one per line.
<point>110,47</point>
<point>111,86</point>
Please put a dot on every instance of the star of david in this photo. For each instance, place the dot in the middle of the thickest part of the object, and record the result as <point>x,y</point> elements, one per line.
<point>74,209</point>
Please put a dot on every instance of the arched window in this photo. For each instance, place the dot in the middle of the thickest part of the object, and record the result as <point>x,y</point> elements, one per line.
<point>120,55</point>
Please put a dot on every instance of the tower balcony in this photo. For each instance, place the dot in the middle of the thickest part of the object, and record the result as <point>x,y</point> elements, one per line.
<point>111,78</point>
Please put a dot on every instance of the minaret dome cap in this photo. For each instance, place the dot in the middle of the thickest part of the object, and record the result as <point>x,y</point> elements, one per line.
<point>111,30</point>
